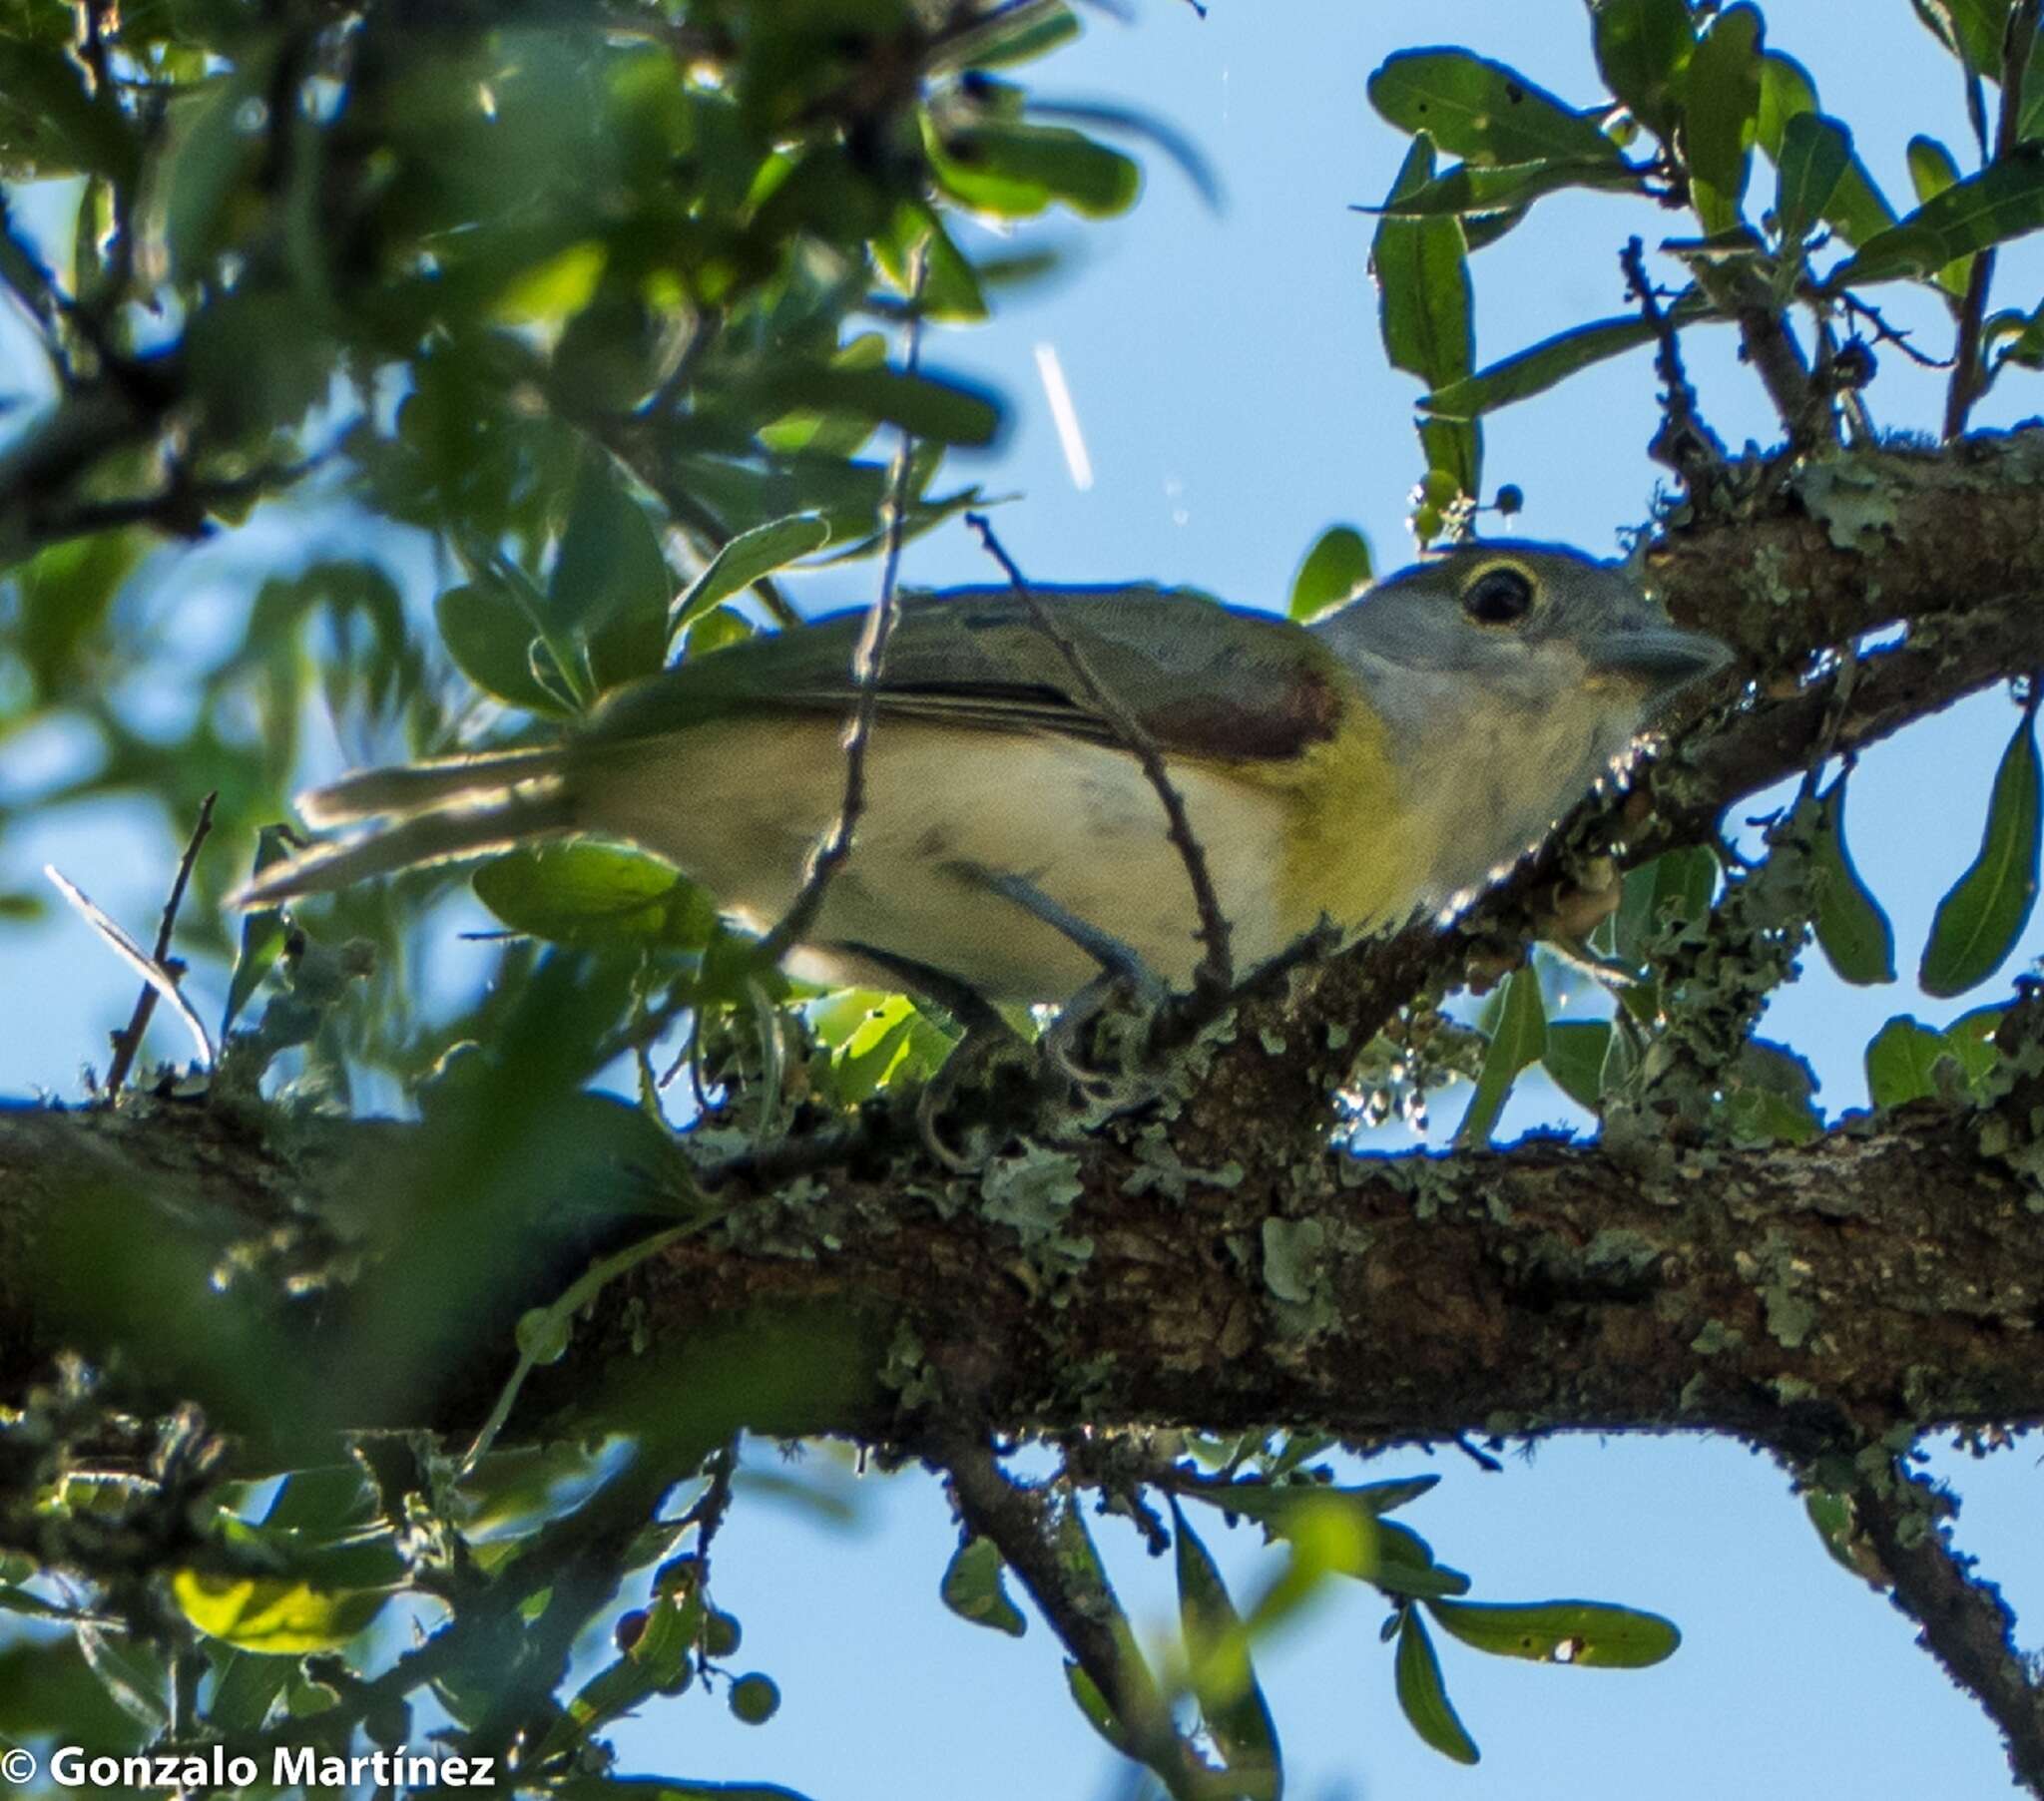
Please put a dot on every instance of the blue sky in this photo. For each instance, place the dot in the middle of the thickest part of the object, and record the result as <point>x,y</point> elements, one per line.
<point>1226,372</point>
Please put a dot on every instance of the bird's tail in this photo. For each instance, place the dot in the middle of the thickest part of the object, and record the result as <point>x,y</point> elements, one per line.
<point>437,812</point>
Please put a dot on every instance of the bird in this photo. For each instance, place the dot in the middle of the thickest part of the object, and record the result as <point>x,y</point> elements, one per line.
<point>1389,756</point>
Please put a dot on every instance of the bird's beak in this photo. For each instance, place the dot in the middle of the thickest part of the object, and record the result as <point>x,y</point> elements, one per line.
<point>1660,658</point>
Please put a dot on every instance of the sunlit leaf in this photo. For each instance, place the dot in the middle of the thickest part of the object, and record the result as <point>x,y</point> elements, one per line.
<point>1643,48</point>
<point>1932,171</point>
<point>273,1617</point>
<point>1858,211</point>
<point>1482,109</point>
<point>1721,113</point>
<point>1334,568</point>
<point>746,559</point>
<point>583,893</point>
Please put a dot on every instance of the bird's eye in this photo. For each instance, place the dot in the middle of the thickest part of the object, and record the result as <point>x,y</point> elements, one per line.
<point>1498,597</point>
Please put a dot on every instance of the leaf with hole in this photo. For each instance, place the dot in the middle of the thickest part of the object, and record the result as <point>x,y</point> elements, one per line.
<point>1594,1634</point>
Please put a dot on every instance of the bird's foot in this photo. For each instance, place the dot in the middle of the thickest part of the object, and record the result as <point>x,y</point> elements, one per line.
<point>974,1096</point>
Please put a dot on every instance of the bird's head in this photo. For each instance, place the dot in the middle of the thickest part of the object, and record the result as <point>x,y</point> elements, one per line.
<point>1527,625</point>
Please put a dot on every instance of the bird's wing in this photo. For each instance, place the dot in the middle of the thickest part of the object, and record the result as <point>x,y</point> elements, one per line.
<point>1202,681</point>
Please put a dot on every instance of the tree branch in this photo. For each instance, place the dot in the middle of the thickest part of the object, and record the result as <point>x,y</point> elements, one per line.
<point>1964,1622</point>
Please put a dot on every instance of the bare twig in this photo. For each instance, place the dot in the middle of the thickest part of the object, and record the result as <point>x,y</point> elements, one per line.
<point>1967,384</point>
<point>1215,974</point>
<point>1685,443</point>
<point>868,658</point>
<point>159,975</point>
<point>1963,1622</point>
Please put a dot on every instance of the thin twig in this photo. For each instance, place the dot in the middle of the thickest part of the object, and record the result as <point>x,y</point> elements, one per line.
<point>1215,974</point>
<point>157,975</point>
<point>2019,34</point>
<point>1885,333</point>
<point>1963,1622</point>
<point>868,658</point>
<point>1685,443</point>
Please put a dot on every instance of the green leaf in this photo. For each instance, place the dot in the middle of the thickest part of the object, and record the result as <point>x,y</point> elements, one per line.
<point>277,1616</point>
<point>1533,371</point>
<point>1425,1697</point>
<point>1768,1097</point>
<point>1643,49</point>
<point>1574,1057</point>
<point>1932,171</point>
<point>490,636</point>
<point>1030,33</point>
<point>1721,113</point>
<point>1015,171</point>
<point>925,406</point>
<point>1971,29</point>
<point>263,931</point>
<point>1901,1060</point>
<point>1483,111</point>
<point>1816,153</point>
<point>1858,209</point>
<point>1851,929</point>
<point>1520,1038</point>
<point>973,1589</point>
<point>1477,189</point>
<point>589,894</point>
<point>1592,1634</point>
<point>209,155</point>
<point>1676,886</point>
<point>1223,1679</point>
<point>1421,268</point>
<point>1334,569</point>
<point>1978,922</point>
<point>2004,201</point>
<point>1094,1705</point>
<point>1903,1056</point>
<point>609,565</point>
<point>747,559</point>
<point>131,1673</point>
